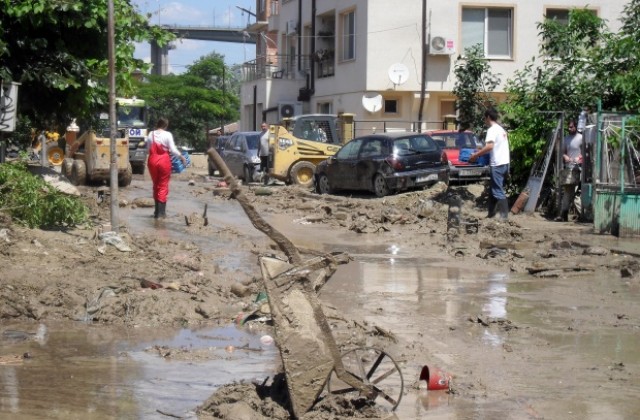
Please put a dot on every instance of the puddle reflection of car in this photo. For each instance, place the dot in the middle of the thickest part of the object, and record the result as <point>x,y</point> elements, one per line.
<point>241,155</point>
<point>452,142</point>
<point>384,164</point>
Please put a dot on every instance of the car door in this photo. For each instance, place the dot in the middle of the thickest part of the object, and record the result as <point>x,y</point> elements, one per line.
<point>342,169</point>
<point>231,154</point>
<point>372,152</point>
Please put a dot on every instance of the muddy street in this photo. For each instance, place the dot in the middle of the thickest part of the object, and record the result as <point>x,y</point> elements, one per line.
<point>532,319</point>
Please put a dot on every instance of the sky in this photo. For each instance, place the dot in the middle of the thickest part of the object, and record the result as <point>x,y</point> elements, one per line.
<point>219,13</point>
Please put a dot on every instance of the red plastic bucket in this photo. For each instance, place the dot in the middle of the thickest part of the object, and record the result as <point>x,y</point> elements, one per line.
<point>435,378</point>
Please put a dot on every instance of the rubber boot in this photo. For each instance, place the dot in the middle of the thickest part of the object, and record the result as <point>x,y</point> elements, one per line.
<point>564,216</point>
<point>503,208</point>
<point>162,210</point>
<point>155,213</point>
<point>492,206</point>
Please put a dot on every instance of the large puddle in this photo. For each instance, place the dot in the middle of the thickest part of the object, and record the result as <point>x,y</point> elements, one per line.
<point>98,372</point>
<point>553,359</point>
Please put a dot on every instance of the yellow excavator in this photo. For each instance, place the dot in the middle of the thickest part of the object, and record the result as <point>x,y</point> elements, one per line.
<point>88,159</point>
<point>299,143</point>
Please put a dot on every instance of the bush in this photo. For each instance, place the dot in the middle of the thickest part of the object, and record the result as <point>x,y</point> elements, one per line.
<point>32,202</point>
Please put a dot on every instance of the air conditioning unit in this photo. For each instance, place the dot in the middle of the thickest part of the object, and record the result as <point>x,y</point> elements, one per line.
<point>292,27</point>
<point>441,45</point>
<point>289,109</point>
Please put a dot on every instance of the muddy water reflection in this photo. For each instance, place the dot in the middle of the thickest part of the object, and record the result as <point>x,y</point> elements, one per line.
<point>557,338</point>
<point>101,372</point>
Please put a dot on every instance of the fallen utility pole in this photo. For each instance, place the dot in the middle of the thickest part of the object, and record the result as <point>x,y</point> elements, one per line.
<point>309,353</point>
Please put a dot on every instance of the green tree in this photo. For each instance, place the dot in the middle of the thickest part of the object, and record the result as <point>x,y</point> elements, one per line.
<point>473,87</point>
<point>562,80</point>
<point>57,50</point>
<point>617,63</point>
<point>202,98</point>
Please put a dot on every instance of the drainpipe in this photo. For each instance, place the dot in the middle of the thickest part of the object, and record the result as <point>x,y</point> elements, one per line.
<point>313,46</point>
<point>255,107</point>
<point>299,33</point>
<point>424,63</point>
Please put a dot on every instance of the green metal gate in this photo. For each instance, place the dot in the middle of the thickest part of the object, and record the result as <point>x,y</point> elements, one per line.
<point>616,193</point>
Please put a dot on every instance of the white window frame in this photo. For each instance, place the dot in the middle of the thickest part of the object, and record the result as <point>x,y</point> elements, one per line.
<point>348,31</point>
<point>486,30</point>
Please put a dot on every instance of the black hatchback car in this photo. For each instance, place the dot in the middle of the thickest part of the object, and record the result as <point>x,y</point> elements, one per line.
<point>384,164</point>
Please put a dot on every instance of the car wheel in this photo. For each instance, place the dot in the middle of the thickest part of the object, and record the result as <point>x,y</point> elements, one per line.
<point>447,179</point>
<point>138,169</point>
<point>247,175</point>
<point>324,187</point>
<point>380,187</point>
<point>302,174</point>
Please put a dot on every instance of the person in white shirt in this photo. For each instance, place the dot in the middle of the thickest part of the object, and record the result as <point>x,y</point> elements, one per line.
<point>497,144</point>
<point>572,159</point>
<point>160,145</point>
<point>263,152</point>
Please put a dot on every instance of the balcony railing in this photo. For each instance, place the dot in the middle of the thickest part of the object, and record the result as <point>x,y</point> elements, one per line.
<point>275,66</point>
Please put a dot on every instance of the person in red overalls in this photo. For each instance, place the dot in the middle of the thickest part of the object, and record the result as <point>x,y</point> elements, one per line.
<point>160,145</point>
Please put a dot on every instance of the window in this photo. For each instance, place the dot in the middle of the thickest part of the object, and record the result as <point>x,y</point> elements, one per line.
<point>490,27</point>
<point>390,106</point>
<point>349,150</point>
<point>324,108</point>
<point>253,141</point>
<point>348,36</point>
<point>560,15</point>
<point>371,148</point>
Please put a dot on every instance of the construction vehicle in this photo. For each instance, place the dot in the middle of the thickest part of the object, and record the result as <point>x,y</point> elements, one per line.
<point>132,122</point>
<point>299,143</point>
<point>88,159</point>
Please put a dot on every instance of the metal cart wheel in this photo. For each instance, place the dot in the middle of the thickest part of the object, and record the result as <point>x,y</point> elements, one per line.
<point>373,367</point>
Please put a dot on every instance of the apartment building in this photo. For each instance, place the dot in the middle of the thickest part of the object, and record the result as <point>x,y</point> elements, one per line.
<point>366,57</point>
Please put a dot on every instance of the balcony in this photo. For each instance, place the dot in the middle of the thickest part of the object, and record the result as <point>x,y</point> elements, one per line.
<point>325,63</point>
<point>275,66</point>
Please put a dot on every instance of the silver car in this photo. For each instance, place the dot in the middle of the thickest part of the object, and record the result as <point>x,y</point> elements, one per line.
<point>241,155</point>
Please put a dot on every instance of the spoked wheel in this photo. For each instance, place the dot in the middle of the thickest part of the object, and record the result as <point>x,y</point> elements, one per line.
<point>375,368</point>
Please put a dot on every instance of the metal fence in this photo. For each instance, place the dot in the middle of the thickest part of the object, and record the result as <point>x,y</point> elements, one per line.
<point>276,66</point>
<point>362,128</point>
<point>616,187</point>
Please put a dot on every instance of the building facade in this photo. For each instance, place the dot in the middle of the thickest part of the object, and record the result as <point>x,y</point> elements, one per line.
<point>372,58</point>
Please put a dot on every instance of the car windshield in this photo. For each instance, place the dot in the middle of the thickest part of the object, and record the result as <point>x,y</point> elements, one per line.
<point>253,141</point>
<point>455,140</point>
<point>414,145</point>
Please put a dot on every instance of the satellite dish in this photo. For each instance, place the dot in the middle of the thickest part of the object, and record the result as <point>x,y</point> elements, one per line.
<point>372,101</point>
<point>398,73</point>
